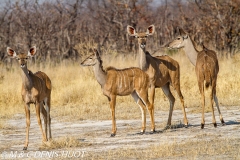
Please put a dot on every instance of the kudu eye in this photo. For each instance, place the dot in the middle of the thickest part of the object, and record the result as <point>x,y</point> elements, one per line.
<point>178,38</point>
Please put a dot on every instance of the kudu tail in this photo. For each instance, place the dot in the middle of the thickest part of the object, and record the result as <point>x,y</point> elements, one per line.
<point>207,73</point>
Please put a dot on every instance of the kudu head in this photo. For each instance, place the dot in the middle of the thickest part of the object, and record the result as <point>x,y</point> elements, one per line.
<point>179,41</point>
<point>142,36</point>
<point>22,57</point>
<point>92,59</point>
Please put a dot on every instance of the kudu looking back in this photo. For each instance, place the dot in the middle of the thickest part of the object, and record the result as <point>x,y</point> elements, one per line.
<point>206,68</point>
<point>121,82</point>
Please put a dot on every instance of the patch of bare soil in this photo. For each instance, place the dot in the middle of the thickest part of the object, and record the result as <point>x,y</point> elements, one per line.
<point>89,138</point>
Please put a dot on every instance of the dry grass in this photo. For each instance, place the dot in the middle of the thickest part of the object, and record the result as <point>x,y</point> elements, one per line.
<point>63,142</point>
<point>200,149</point>
<point>77,94</point>
<point>2,124</point>
<point>216,148</point>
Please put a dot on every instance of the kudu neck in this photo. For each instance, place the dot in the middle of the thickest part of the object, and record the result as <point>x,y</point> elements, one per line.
<point>99,73</point>
<point>143,58</point>
<point>26,79</point>
<point>191,51</point>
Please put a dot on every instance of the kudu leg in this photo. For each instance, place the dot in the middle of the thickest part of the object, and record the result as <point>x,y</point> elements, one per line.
<point>44,115</point>
<point>176,85</point>
<point>27,111</point>
<point>151,106</point>
<point>112,106</point>
<point>216,102</point>
<point>177,88</point>
<point>47,104</point>
<point>38,106</point>
<point>167,92</point>
<point>152,94</point>
<point>211,103</point>
<point>201,89</point>
<point>138,100</point>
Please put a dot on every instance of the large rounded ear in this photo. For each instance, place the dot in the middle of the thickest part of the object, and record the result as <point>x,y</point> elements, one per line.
<point>150,30</point>
<point>11,52</point>
<point>131,31</point>
<point>32,51</point>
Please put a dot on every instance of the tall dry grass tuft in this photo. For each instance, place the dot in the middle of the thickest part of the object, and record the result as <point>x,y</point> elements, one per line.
<point>77,94</point>
<point>63,142</point>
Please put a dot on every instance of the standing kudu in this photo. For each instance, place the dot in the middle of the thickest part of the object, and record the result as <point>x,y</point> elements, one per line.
<point>121,82</point>
<point>36,88</point>
<point>206,68</point>
<point>162,71</point>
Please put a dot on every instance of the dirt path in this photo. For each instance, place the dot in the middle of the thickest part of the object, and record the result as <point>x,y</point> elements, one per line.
<point>94,136</point>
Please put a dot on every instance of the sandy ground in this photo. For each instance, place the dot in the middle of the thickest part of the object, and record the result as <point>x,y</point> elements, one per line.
<point>95,135</point>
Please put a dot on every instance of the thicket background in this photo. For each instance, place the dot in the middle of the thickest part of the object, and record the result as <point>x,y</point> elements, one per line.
<point>64,31</point>
<point>61,28</point>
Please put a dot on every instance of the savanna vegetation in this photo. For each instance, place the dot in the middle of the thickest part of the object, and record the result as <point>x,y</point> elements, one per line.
<point>65,30</point>
<point>61,28</point>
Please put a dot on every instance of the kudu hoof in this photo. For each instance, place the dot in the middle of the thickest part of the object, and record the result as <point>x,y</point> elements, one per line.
<point>223,123</point>
<point>141,133</point>
<point>186,125</point>
<point>202,125</point>
<point>113,135</point>
<point>153,131</point>
<point>215,125</point>
<point>24,148</point>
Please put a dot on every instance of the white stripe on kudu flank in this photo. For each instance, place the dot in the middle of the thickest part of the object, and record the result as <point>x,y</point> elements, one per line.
<point>124,79</point>
<point>129,84</point>
<point>133,77</point>
<point>143,79</point>
<point>140,79</point>
<point>120,80</point>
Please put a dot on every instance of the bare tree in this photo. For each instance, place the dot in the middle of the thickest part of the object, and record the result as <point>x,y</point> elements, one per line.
<point>57,27</point>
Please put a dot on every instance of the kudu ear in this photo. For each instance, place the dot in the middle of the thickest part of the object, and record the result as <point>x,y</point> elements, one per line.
<point>11,52</point>
<point>96,52</point>
<point>32,51</point>
<point>183,33</point>
<point>131,31</point>
<point>150,30</point>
